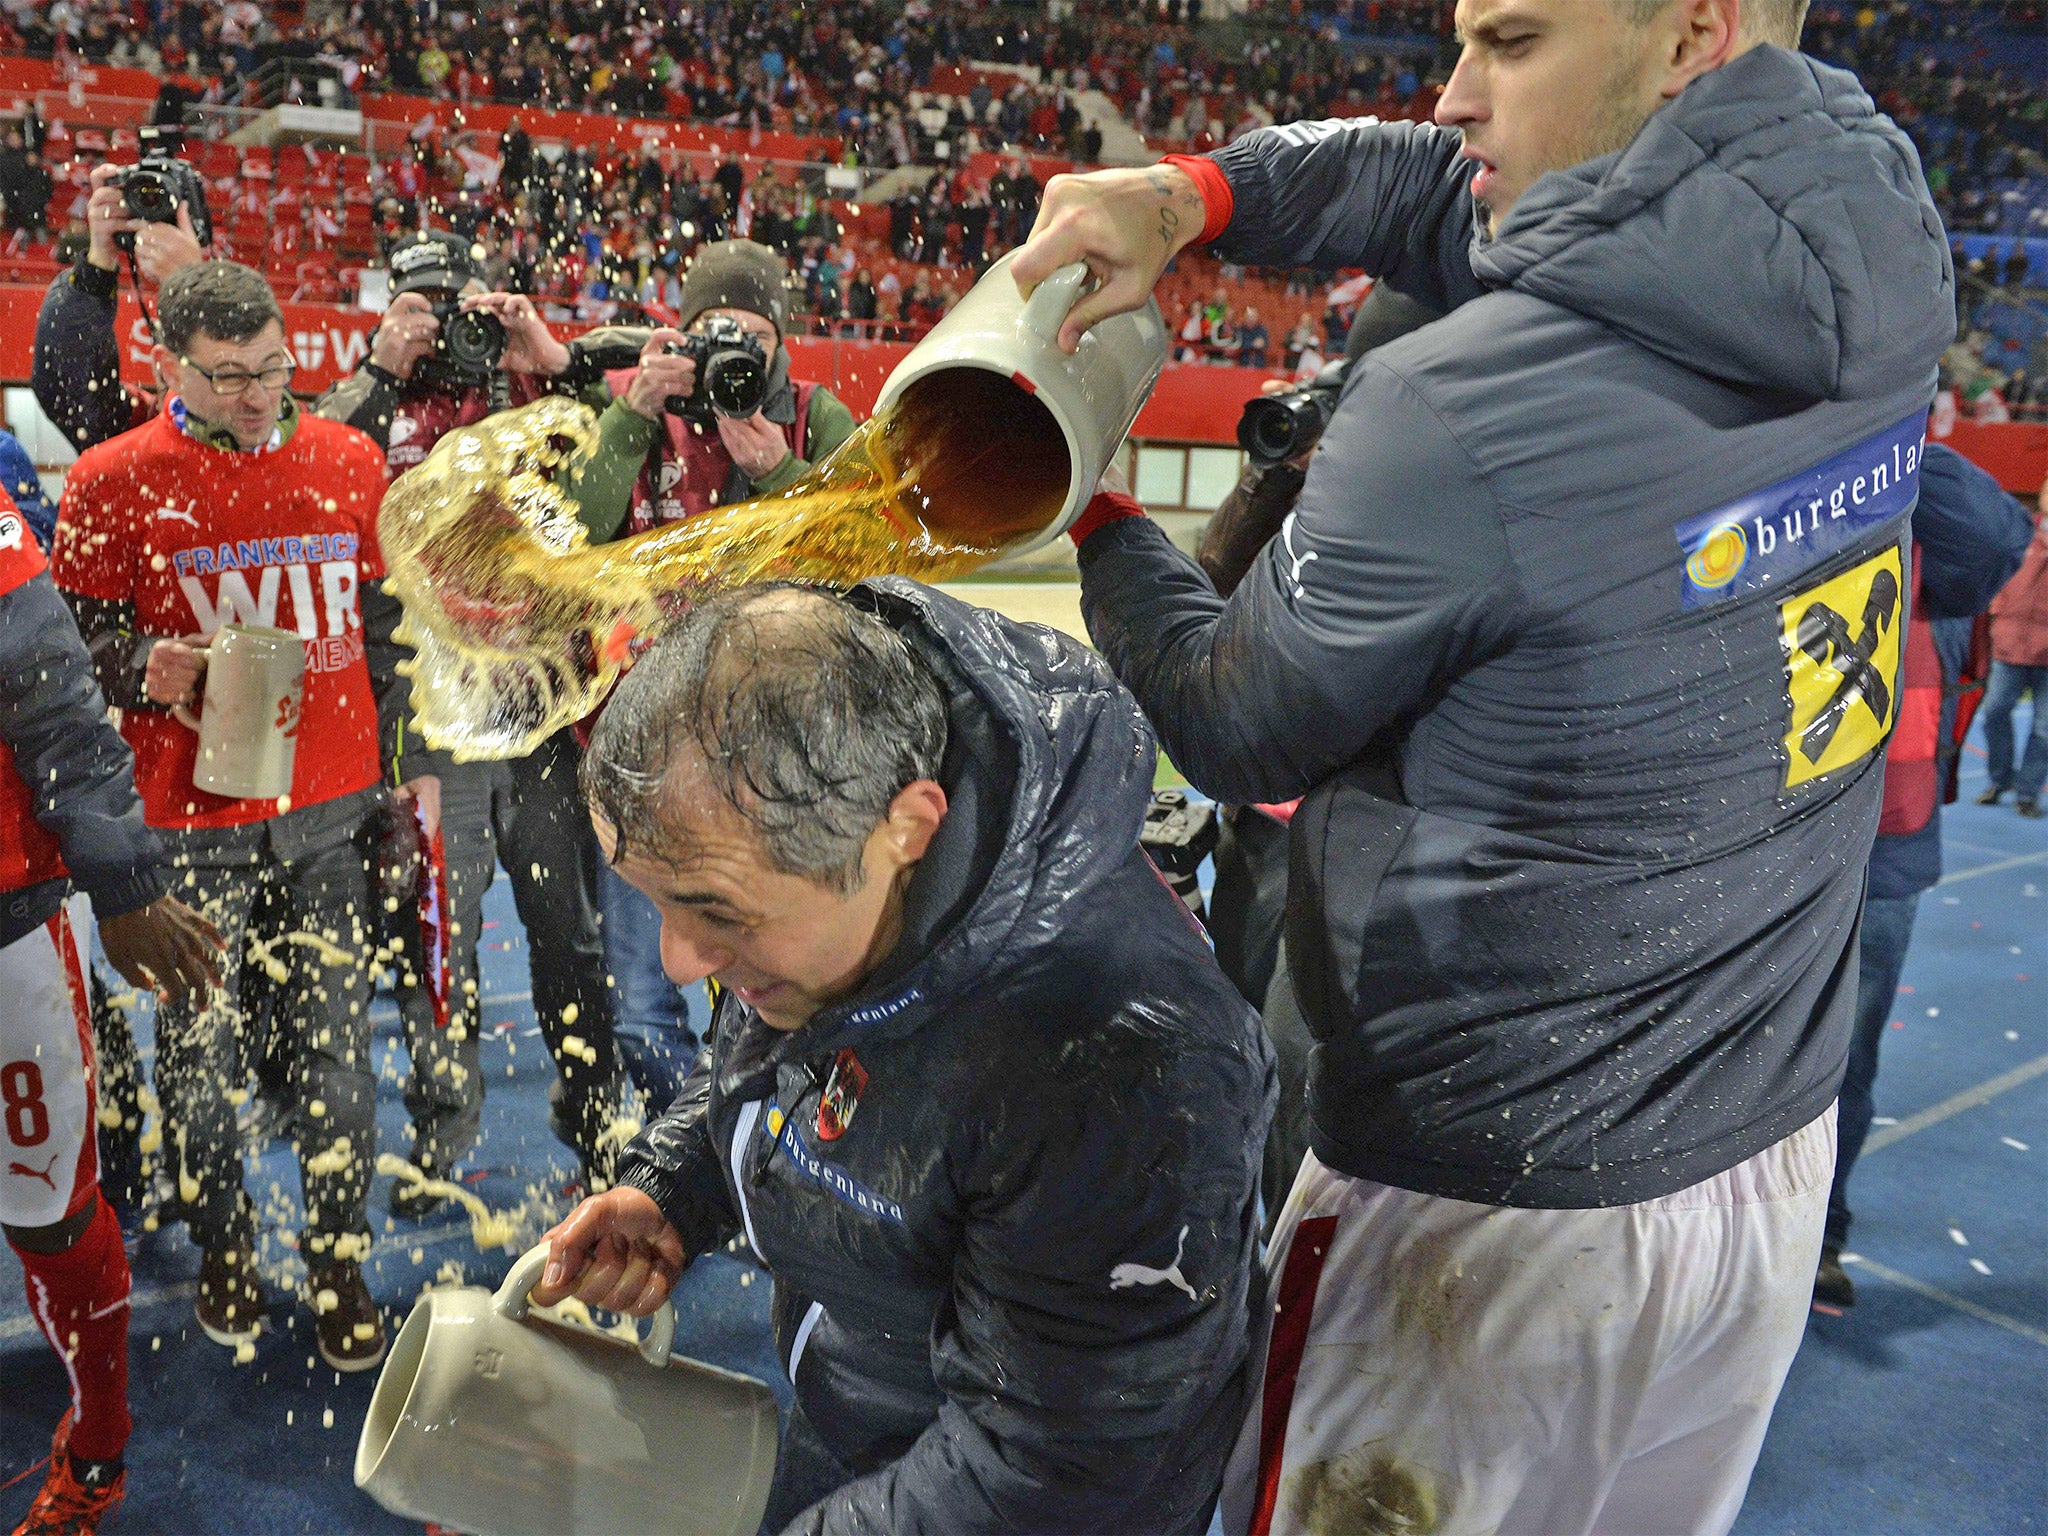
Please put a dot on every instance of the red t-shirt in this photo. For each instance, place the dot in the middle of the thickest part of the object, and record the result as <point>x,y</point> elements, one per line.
<point>29,854</point>
<point>196,537</point>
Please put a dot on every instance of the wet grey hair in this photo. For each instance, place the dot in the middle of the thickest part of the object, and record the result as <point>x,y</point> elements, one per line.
<point>223,299</point>
<point>802,712</point>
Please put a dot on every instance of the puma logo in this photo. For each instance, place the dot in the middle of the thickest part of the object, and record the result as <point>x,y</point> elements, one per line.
<point>43,1173</point>
<point>176,515</point>
<point>1297,563</point>
<point>1126,1275</point>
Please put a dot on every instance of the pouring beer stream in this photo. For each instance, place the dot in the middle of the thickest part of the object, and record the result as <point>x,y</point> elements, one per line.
<point>986,439</point>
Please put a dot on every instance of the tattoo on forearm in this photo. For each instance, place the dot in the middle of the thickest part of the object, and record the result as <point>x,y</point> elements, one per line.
<point>1169,224</point>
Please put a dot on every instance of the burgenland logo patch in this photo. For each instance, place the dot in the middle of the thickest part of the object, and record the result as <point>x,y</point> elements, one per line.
<point>1777,534</point>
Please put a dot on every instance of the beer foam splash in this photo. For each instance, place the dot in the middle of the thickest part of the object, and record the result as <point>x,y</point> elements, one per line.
<point>519,626</point>
<point>487,1228</point>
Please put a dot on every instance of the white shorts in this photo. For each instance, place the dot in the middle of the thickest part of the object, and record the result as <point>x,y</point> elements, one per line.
<point>48,1161</point>
<point>1443,1366</point>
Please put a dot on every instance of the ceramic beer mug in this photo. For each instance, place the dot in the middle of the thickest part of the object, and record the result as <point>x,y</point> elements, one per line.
<point>497,1423</point>
<point>248,723</point>
<point>1092,397</point>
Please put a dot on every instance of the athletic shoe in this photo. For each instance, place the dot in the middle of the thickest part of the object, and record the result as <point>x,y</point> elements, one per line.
<point>230,1304</point>
<point>1831,1282</point>
<point>409,1202</point>
<point>346,1323</point>
<point>2031,809</point>
<point>1991,795</point>
<point>67,1506</point>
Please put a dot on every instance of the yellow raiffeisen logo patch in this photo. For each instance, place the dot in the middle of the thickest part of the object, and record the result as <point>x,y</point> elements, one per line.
<point>1841,646</point>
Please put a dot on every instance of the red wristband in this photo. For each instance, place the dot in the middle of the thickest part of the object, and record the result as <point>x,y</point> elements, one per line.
<point>1107,507</point>
<point>1218,200</point>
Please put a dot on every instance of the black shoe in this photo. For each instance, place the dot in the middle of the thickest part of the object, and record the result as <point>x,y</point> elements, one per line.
<point>230,1303</point>
<point>1831,1282</point>
<point>347,1325</point>
<point>2031,809</point>
<point>411,1202</point>
<point>1991,795</point>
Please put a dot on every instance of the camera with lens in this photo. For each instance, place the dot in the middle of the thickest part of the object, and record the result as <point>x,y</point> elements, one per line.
<point>158,184</point>
<point>1277,427</point>
<point>467,348</point>
<point>1177,835</point>
<point>732,372</point>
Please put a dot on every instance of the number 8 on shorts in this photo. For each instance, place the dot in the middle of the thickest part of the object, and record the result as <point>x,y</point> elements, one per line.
<point>47,1159</point>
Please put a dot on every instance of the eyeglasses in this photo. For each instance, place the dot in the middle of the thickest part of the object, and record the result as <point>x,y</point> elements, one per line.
<point>229,382</point>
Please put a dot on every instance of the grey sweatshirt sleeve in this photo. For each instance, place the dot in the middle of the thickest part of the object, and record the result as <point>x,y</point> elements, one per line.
<point>54,718</point>
<point>1392,198</point>
<point>1391,576</point>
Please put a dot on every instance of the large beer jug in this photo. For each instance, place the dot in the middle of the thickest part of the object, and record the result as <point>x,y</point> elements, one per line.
<point>495,1422</point>
<point>1090,398</point>
<point>248,720</point>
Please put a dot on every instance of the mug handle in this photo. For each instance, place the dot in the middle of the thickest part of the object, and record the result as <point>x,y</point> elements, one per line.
<point>511,1302</point>
<point>1046,310</point>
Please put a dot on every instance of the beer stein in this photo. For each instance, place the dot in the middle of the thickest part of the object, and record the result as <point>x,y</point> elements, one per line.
<point>495,1422</point>
<point>248,722</point>
<point>1090,398</point>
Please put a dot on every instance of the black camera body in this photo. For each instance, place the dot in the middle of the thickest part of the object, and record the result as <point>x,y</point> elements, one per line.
<point>1274,428</point>
<point>467,349</point>
<point>159,184</point>
<point>732,372</point>
<point>1178,834</point>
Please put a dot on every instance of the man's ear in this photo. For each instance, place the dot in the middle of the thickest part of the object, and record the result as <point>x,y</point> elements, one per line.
<point>1704,35</point>
<point>164,361</point>
<point>914,818</point>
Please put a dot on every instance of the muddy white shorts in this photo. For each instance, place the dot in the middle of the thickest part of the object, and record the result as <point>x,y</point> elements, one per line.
<point>48,1161</point>
<point>1434,1365</point>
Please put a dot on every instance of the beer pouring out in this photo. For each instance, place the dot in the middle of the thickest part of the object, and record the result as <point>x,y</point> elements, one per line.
<point>986,440</point>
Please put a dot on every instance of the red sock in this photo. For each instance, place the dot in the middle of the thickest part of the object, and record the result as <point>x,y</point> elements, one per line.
<point>80,1300</point>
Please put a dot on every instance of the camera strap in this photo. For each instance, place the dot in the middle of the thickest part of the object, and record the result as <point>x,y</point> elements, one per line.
<point>135,280</point>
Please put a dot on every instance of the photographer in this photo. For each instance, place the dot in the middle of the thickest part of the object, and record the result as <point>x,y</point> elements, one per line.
<point>432,368</point>
<point>688,451</point>
<point>1581,648</point>
<point>77,368</point>
<point>673,452</point>
<point>233,506</point>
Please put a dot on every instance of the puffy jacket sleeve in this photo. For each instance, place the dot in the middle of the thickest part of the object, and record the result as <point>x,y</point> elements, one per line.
<point>1972,536</point>
<point>1390,577</point>
<point>1392,198</point>
<point>1094,1344</point>
<point>76,371</point>
<point>80,770</point>
<point>675,1159</point>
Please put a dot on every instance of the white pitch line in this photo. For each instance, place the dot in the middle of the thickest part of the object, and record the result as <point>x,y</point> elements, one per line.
<point>1992,869</point>
<point>1956,1103</point>
<point>1961,1304</point>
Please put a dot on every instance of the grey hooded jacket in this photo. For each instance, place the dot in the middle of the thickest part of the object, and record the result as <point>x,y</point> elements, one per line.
<point>1007,1190</point>
<point>1583,641</point>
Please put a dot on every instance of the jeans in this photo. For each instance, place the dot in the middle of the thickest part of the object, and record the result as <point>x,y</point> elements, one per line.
<point>1887,930</point>
<point>2008,682</point>
<point>651,1013</point>
<point>320,1010</point>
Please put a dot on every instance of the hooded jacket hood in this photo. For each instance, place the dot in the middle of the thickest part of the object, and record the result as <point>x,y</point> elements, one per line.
<point>1048,773</point>
<point>1767,227</point>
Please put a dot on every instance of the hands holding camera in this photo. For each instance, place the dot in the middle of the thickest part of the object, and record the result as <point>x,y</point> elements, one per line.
<point>667,377</point>
<point>160,249</point>
<point>662,373</point>
<point>411,331</point>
